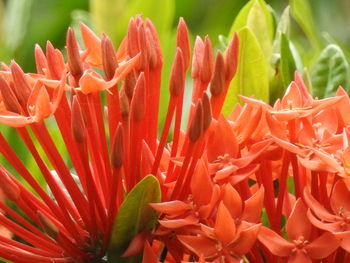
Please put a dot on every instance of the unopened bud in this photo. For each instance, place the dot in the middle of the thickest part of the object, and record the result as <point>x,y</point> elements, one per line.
<point>118,147</point>
<point>152,50</point>
<point>207,62</point>
<point>177,77</point>
<point>130,82</point>
<point>133,39</point>
<point>8,186</point>
<point>124,103</point>
<point>155,44</point>
<point>231,59</point>
<point>143,63</point>
<point>21,85</point>
<point>197,57</point>
<point>74,61</point>
<point>196,127</point>
<point>218,81</point>
<point>78,122</point>
<point>138,102</point>
<point>207,115</point>
<point>109,59</point>
<point>183,42</point>
<point>40,59</point>
<point>53,62</point>
<point>4,66</point>
<point>47,225</point>
<point>9,98</point>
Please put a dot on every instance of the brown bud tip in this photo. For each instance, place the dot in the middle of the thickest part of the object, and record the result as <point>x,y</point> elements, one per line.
<point>138,102</point>
<point>207,115</point>
<point>155,43</point>
<point>47,225</point>
<point>177,77</point>
<point>151,50</point>
<point>124,103</point>
<point>40,60</point>
<point>74,61</point>
<point>183,42</point>
<point>9,98</point>
<point>9,187</point>
<point>130,82</point>
<point>118,147</point>
<point>21,85</point>
<point>78,122</point>
<point>109,59</point>
<point>207,63</point>
<point>231,59</point>
<point>196,127</point>
<point>218,81</point>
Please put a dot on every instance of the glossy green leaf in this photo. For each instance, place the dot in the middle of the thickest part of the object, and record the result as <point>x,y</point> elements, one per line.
<point>330,71</point>
<point>134,216</point>
<point>252,72</point>
<point>288,66</point>
<point>301,11</point>
<point>256,16</point>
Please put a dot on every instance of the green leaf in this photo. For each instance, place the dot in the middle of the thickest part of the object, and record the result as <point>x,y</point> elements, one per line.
<point>302,14</point>
<point>282,28</point>
<point>330,71</point>
<point>252,72</point>
<point>134,216</point>
<point>287,61</point>
<point>256,16</point>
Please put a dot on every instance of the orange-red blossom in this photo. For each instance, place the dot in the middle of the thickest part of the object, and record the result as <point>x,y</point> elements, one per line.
<point>228,183</point>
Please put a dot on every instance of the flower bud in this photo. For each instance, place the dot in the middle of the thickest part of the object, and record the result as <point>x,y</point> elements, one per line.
<point>74,61</point>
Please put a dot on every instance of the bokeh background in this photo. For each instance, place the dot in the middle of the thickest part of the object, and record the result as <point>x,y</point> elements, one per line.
<point>27,22</point>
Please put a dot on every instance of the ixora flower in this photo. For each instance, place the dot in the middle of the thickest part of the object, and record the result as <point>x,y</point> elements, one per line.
<point>218,192</point>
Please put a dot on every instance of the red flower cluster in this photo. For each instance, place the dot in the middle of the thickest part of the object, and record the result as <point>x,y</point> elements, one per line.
<point>228,184</point>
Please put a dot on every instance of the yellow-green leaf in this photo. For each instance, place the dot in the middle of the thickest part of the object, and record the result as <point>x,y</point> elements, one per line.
<point>302,13</point>
<point>252,72</point>
<point>256,16</point>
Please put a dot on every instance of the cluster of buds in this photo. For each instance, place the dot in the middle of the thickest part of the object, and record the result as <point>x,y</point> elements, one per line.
<point>216,177</point>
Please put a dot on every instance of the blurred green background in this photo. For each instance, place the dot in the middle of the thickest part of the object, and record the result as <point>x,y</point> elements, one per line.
<point>26,22</point>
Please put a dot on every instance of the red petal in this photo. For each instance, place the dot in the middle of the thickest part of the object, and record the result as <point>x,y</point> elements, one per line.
<point>298,224</point>
<point>232,201</point>
<point>200,245</point>
<point>317,208</point>
<point>225,227</point>
<point>345,244</point>
<point>222,140</point>
<point>246,240</point>
<point>177,223</point>
<point>275,243</point>
<point>340,197</point>
<point>299,257</point>
<point>323,246</point>
<point>148,254</point>
<point>172,207</point>
<point>253,206</point>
